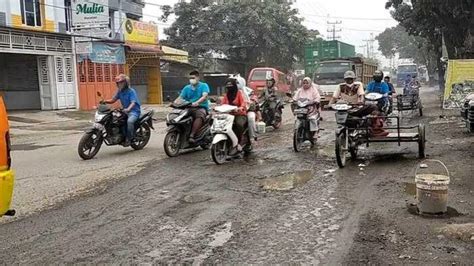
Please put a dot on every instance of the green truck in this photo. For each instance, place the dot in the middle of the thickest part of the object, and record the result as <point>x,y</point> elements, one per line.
<point>319,50</point>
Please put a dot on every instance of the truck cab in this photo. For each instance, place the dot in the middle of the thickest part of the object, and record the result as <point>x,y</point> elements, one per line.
<point>7,176</point>
<point>330,73</point>
<point>403,70</point>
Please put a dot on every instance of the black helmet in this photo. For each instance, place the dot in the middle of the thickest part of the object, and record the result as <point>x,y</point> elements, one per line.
<point>378,76</point>
<point>272,80</point>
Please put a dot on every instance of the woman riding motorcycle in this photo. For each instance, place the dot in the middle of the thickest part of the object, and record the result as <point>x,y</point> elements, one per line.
<point>235,97</point>
<point>310,92</point>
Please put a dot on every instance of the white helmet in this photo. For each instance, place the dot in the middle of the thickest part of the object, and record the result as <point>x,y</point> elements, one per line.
<point>349,75</point>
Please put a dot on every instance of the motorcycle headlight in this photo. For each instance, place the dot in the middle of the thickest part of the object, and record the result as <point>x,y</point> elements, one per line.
<point>99,117</point>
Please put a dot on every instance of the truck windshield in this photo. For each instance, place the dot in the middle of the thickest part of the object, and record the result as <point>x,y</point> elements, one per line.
<point>333,67</point>
<point>259,75</point>
<point>407,69</point>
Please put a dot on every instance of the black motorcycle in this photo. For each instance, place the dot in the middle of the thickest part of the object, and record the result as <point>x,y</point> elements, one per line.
<point>180,122</point>
<point>272,116</point>
<point>107,129</point>
<point>301,109</point>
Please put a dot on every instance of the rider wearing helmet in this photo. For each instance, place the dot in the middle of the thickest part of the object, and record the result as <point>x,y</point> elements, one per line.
<point>350,91</point>
<point>378,86</point>
<point>130,102</point>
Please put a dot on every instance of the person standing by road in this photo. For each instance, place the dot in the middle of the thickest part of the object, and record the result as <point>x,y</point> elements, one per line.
<point>196,92</point>
<point>130,102</point>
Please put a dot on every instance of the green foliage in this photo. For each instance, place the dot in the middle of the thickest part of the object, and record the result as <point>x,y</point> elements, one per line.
<point>257,33</point>
<point>435,18</point>
<point>397,40</point>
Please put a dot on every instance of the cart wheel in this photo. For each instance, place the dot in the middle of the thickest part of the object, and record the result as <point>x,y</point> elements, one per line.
<point>341,150</point>
<point>421,141</point>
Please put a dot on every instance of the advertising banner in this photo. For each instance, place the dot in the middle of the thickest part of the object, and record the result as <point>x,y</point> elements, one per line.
<point>140,32</point>
<point>459,82</point>
<point>106,53</point>
<point>90,13</point>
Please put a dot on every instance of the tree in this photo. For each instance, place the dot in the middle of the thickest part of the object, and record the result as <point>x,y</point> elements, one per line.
<point>255,32</point>
<point>434,19</point>
<point>397,40</point>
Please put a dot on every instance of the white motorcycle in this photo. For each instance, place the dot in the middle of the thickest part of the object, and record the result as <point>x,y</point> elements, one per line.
<point>376,98</point>
<point>224,137</point>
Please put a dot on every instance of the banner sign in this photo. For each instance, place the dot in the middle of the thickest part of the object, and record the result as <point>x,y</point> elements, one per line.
<point>459,82</point>
<point>90,13</point>
<point>140,32</point>
<point>106,53</point>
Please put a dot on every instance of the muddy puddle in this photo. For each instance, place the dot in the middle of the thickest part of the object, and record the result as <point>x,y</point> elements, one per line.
<point>287,181</point>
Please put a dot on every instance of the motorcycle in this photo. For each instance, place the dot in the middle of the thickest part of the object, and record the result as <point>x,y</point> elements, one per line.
<point>180,122</point>
<point>272,117</point>
<point>346,139</point>
<point>376,98</point>
<point>107,129</point>
<point>467,112</point>
<point>224,137</point>
<point>301,109</point>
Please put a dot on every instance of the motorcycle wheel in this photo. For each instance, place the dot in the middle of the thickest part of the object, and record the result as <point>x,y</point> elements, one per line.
<point>341,150</point>
<point>278,121</point>
<point>297,145</point>
<point>172,143</point>
<point>219,152</point>
<point>89,145</point>
<point>142,138</point>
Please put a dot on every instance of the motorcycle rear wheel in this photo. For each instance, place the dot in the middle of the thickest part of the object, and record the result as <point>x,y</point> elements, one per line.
<point>278,120</point>
<point>219,152</point>
<point>172,143</point>
<point>143,137</point>
<point>89,145</point>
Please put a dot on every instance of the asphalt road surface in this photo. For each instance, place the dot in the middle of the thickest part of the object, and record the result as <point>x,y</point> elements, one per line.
<point>276,206</point>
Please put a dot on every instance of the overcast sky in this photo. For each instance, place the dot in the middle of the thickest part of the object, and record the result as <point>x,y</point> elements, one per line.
<point>359,18</point>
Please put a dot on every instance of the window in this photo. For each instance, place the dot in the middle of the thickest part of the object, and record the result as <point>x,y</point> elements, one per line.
<point>30,12</point>
<point>68,14</point>
<point>333,67</point>
<point>259,75</point>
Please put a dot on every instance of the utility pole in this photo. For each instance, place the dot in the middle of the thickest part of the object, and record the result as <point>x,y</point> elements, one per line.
<point>370,46</point>
<point>363,48</point>
<point>332,29</point>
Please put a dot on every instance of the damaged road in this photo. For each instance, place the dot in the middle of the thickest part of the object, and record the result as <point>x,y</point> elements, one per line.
<point>276,206</point>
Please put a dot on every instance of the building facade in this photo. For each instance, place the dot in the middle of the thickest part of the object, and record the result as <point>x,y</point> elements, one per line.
<point>36,54</point>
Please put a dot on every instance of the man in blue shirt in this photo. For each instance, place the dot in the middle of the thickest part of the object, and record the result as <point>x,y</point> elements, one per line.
<point>378,86</point>
<point>130,103</point>
<point>196,92</point>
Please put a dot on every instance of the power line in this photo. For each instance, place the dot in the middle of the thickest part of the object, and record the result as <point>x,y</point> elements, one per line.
<point>348,18</point>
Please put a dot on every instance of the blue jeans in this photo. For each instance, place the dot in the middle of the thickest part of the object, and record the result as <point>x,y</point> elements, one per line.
<point>130,128</point>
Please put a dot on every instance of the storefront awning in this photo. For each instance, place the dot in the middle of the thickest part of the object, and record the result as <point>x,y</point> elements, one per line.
<point>141,54</point>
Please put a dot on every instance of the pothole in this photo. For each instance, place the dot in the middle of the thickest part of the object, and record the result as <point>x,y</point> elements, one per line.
<point>287,181</point>
<point>197,198</point>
